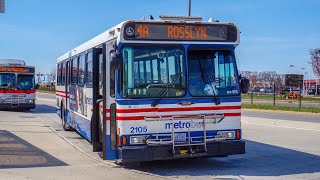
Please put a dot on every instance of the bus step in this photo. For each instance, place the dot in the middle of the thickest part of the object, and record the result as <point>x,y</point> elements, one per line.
<point>187,144</point>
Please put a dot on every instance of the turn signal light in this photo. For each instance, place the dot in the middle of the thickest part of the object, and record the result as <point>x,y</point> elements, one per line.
<point>238,134</point>
<point>124,140</point>
<point>119,143</point>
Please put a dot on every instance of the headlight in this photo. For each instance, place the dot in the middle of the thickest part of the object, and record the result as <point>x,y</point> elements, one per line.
<point>29,100</point>
<point>226,134</point>
<point>138,139</point>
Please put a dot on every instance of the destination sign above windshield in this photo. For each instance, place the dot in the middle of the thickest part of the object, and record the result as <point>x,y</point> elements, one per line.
<point>180,32</point>
<point>17,69</point>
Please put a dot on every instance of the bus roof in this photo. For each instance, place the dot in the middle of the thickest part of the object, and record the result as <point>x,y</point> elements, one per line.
<point>114,33</point>
<point>12,62</point>
<point>111,33</point>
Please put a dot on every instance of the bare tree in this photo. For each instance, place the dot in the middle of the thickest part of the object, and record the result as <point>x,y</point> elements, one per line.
<point>279,81</point>
<point>315,60</point>
<point>267,78</point>
<point>246,74</point>
<point>52,75</point>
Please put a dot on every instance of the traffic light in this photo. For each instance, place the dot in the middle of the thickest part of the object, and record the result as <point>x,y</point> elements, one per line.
<point>2,6</point>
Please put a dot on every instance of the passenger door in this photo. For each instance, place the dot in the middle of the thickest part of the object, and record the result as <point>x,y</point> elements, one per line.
<point>97,123</point>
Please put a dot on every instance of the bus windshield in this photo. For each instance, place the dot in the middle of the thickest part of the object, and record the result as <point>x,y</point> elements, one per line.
<point>25,82</point>
<point>7,81</point>
<point>148,70</point>
<point>212,73</point>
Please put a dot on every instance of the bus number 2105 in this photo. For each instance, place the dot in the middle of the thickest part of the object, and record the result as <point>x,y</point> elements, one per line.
<point>138,129</point>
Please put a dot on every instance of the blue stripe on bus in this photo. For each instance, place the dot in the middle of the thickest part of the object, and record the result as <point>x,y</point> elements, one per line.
<point>83,126</point>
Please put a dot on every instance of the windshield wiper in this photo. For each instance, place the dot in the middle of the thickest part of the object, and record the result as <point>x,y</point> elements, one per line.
<point>208,81</point>
<point>165,89</point>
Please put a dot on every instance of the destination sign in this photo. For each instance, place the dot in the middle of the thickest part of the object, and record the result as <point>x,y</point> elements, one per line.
<point>180,32</point>
<point>17,69</point>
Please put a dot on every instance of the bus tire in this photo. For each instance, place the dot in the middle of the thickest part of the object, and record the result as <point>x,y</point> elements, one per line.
<point>65,126</point>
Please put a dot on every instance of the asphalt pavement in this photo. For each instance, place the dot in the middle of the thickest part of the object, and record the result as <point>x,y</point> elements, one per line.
<point>279,146</point>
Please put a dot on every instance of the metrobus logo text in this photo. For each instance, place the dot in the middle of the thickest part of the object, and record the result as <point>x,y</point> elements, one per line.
<point>180,124</point>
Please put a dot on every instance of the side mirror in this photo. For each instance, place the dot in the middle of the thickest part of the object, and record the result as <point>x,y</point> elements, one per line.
<point>244,85</point>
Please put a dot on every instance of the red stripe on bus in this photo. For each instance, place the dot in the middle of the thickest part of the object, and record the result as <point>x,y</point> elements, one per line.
<point>18,91</point>
<point>178,109</point>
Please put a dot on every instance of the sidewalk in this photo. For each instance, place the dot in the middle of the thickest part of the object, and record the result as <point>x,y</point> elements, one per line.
<point>29,149</point>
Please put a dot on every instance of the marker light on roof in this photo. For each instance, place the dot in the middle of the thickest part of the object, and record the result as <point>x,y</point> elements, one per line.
<point>150,17</point>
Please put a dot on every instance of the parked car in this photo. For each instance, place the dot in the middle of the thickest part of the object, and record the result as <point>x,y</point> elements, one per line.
<point>266,90</point>
<point>313,91</point>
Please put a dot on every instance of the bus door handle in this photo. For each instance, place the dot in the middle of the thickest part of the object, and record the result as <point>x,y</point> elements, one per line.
<point>99,101</point>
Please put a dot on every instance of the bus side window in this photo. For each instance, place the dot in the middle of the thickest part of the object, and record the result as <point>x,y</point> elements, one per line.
<point>74,71</point>
<point>81,72</point>
<point>63,73</point>
<point>89,75</point>
<point>69,71</point>
<point>59,74</point>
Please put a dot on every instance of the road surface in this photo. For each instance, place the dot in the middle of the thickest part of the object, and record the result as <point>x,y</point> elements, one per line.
<point>279,146</point>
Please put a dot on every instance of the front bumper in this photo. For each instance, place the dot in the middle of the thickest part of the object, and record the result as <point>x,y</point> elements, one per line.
<point>17,106</point>
<point>130,154</point>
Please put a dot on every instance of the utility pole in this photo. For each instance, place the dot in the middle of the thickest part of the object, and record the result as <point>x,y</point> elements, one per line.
<point>189,13</point>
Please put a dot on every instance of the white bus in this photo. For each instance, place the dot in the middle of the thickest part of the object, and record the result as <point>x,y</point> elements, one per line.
<point>17,85</point>
<point>154,90</point>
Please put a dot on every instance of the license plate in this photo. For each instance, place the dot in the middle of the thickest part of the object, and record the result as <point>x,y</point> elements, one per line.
<point>180,137</point>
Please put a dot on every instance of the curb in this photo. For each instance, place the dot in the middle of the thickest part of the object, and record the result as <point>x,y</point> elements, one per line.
<point>282,111</point>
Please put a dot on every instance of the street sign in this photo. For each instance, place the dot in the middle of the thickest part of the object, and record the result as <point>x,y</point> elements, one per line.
<point>2,6</point>
<point>294,80</point>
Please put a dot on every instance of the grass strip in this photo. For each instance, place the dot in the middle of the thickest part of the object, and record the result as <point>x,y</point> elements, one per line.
<point>281,108</point>
<point>282,97</point>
